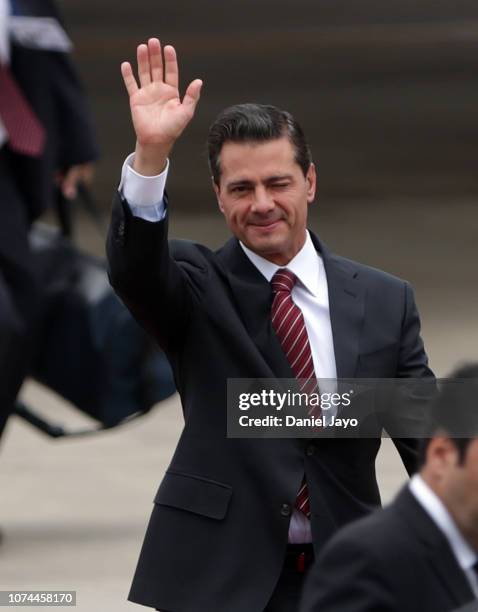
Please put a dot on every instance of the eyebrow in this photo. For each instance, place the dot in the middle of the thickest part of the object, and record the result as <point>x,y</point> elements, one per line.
<point>269,179</point>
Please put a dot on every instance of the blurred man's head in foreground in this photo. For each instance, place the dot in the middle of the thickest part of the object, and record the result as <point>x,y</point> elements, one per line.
<point>450,459</point>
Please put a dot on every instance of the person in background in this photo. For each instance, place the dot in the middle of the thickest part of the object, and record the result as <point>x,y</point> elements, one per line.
<point>420,554</point>
<point>47,142</point>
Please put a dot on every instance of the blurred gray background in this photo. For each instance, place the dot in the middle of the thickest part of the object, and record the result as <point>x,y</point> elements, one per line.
<point>386,91</point>
<point>387,94</point>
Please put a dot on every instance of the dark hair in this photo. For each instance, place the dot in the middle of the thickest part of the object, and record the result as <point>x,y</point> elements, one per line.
<point>255,123</point>
<point>454,410</point>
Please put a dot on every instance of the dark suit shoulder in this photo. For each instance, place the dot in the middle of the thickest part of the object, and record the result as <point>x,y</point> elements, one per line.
<point>395,559</point>
<point>356,570</point>
<point>368,273</point>
<point>378,535</point>
<point>393,544</point>
<point>194,253</point>
<point>353,269</point>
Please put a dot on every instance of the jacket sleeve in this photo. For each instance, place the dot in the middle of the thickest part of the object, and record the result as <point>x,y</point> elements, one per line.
<point>160,292</point>
<point>346,578</point>
<point>412,360</point>
<point>49,83</point>
<point>77,141</point>
<point>413,363</point>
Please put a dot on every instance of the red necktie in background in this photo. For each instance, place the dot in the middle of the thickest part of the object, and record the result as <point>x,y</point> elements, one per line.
<point>289,325</point>
<point>26,135</point>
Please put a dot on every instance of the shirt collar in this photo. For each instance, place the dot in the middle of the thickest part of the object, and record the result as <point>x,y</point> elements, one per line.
<point>305,265</point>
<point>437,511</point>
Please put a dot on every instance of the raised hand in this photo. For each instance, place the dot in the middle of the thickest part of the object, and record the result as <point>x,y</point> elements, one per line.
<point>159,116</point>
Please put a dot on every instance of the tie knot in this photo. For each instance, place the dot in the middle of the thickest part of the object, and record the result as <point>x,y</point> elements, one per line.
<point>283,280</point>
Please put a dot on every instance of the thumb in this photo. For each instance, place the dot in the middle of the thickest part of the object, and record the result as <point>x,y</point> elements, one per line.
<point>193,92</point>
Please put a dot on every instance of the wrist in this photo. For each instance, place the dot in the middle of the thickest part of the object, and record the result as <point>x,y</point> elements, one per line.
<point>150,160</point>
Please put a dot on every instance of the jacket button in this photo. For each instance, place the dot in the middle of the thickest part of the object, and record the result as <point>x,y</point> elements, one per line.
<point>310,450</point>
<point>286,510</point>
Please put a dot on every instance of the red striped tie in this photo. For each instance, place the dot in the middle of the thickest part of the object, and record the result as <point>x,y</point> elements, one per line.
<point>25,132</point>
<point>289,325</point>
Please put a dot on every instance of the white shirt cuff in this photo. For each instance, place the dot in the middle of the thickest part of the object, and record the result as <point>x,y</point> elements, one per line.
<point>144,194</point>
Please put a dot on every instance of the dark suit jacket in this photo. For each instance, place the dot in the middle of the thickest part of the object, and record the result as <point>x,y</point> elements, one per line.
<point>51,85</point>
<point>218,532</point>
<point>395,560</point>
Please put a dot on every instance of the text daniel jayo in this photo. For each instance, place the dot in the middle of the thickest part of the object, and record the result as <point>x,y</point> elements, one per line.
<point>292,421</point>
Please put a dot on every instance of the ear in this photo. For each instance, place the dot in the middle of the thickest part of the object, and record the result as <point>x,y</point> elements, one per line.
<point>441,454</point>
<point>217,191</point>
<point>311,180</point>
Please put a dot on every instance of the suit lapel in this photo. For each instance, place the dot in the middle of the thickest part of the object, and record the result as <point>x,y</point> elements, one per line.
<point>346,305</point>
<point>439,553</point>
<point>450,574</point>
<point>252,296</point>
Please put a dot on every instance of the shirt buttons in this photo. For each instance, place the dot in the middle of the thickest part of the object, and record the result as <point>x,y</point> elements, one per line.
<point>310,450</point>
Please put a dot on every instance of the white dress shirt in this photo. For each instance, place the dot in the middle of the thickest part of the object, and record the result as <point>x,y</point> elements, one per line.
<point>434,507</point>
<point>4,33</point>
<point>4,52</point>
<point>144,193</point>
<point>310,293</point>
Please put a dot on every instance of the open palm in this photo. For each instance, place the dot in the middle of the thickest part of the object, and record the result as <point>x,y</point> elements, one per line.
<point>159,116</point>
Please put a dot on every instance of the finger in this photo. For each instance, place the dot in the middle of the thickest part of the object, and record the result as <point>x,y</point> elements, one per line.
<point>155,59</point>
<point>86,172</point>
<point>171,71</point>
<point>128,78</point>
<point>143,65</point>
<point>193,92</point>
<point>69,184</point>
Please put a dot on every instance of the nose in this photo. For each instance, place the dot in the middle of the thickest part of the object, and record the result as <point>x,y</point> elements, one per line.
<point>263,202</point>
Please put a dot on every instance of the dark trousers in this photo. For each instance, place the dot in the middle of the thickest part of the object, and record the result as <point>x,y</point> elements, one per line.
<point>19,290</point>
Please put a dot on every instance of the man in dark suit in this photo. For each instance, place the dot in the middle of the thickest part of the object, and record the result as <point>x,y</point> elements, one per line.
<point>420,554</point>
<point>46,142</point>
<point>234,519</point>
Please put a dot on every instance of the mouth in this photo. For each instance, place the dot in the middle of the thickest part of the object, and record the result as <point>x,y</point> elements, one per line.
<point>265,226</point>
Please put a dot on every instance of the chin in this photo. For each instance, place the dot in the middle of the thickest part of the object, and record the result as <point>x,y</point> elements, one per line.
<point>265,244</point>
<point>275,236</point>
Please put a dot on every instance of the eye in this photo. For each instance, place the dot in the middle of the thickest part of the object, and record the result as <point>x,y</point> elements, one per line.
<point>240,189</point>
<point>280,185</point>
